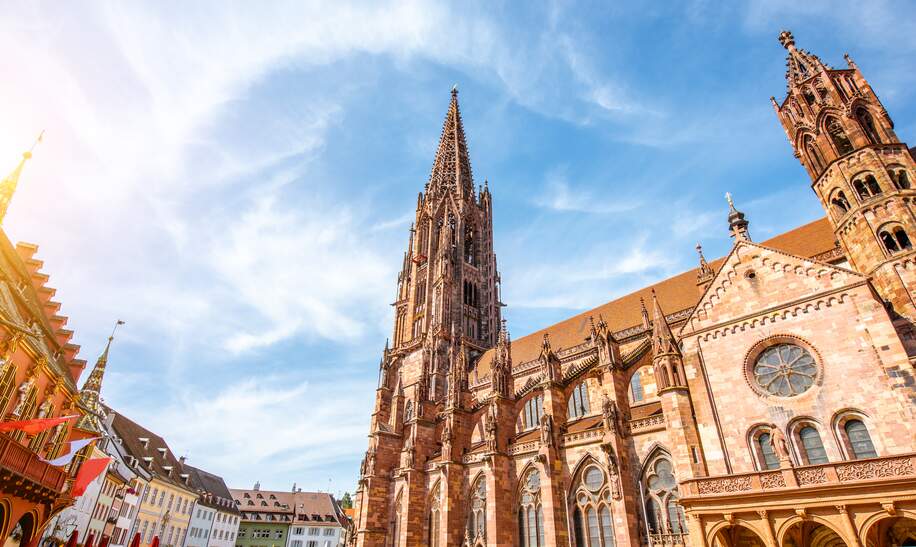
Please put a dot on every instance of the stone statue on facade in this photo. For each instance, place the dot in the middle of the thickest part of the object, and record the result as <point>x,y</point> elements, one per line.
<point>546,430</point>
<point>491,427</point>
<point>24,388</point>
<point>780,446</point>
<point>610,414</point>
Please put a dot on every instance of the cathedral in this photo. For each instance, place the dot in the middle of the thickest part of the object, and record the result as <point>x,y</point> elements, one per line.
<point>766,398</point>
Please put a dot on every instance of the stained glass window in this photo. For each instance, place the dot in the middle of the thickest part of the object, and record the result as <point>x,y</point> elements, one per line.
<point>785,370</point>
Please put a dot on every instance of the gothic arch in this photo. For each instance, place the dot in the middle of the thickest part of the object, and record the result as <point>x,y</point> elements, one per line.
<point>867,525</point>
<point>654,450</point>
<point>584,461</point>
<point>5,510</point>
<point>787,525</point>
<point>533,464</point>
<point>723,526</point>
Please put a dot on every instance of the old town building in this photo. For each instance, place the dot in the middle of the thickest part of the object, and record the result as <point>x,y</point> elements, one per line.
<point>215,519</point>
<point>168,499</point>
<point>764,398</point>
<point>39,371</point>
<point>288,519</point>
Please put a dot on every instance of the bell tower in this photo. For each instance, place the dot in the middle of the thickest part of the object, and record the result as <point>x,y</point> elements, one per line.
<point>860,171</point>
<point>448,287</point>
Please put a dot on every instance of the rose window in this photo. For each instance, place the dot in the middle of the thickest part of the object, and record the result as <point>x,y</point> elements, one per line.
<point>785,370</point>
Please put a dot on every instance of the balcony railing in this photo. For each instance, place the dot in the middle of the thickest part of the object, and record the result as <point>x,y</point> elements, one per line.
<point>668,540</point>
<point>22,461</point>
<point>828,474</point>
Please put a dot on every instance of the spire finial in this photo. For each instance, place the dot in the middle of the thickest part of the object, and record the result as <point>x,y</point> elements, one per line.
<point>737,224</point>
<point>90,394</point>
<point>787,40</point>
<point>8,184</point>
<point>455,90</point>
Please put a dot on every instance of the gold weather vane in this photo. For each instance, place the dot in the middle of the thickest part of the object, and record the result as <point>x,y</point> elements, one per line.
<point>8,184</point>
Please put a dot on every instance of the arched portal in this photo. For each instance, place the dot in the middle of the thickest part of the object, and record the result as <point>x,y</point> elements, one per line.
<point>812,534</point>
<point>891,532</point>
<point>737,536</point>
<point>21,533</point>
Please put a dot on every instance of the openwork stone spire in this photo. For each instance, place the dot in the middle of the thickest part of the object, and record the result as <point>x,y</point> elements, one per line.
<point>800,65</point>
<point>8,185</point>
<point>90,394</point>
<point>452,166</point>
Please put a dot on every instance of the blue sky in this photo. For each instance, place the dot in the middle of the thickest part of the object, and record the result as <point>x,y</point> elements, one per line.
<point>236,181</point>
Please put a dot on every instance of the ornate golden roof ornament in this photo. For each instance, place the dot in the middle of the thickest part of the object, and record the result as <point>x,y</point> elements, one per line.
<point>8,184</point>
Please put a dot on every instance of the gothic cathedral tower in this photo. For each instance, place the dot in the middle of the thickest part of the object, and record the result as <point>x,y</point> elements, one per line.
<point>447,313</point>
<point>860,171</point>
<point>448,288</point>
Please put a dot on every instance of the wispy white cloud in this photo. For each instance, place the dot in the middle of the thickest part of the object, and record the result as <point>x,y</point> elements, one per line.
<point>559,195</point>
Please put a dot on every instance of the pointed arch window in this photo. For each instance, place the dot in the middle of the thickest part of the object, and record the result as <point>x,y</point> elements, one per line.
<point>636,390</point>
<point>470,246</point>
<point>530,512</point>
<point>660,490</point>
<point>578,405</point>
<point>592,520</point>
<point>396,522</point>
<point>434,519</point>
<point>814,156</point>
<point>868,125</point>
<point>860,444</point>
<point>477,515</point>
<point>838,136</point>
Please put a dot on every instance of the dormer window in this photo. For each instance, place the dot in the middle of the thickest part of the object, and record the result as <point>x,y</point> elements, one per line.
<point>144,441</point>
<point>162,451</point>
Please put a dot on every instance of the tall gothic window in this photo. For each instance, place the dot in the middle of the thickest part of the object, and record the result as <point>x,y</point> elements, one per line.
<point>530,512</point>
<point>660,490</point>
<point>396,522</point>
<point>7,378</point>
<point>838,136</point>
<point>812,445</point>
<point>434,519</point>
<point>578,401</point>
<point>636,391</point>
<point>592,522</point>
<point>868,125</point>
<point>859,440</point>
<point>470,249</point>
<point>477,515</point>
<point>531,413</point>
<point>814,155</point>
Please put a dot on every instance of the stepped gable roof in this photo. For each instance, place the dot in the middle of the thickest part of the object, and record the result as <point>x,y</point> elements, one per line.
<point>310,504</point>
<point>150,450</point>
<point>27,300</point>
<point>675,294</point>
<point>220,497</point>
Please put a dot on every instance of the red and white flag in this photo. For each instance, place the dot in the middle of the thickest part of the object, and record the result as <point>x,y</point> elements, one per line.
<point>32,427</point>
<point>75,446</point>
<point>87,473</point>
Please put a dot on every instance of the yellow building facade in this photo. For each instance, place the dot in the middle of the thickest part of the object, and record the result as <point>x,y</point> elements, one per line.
<point>167,501</point>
